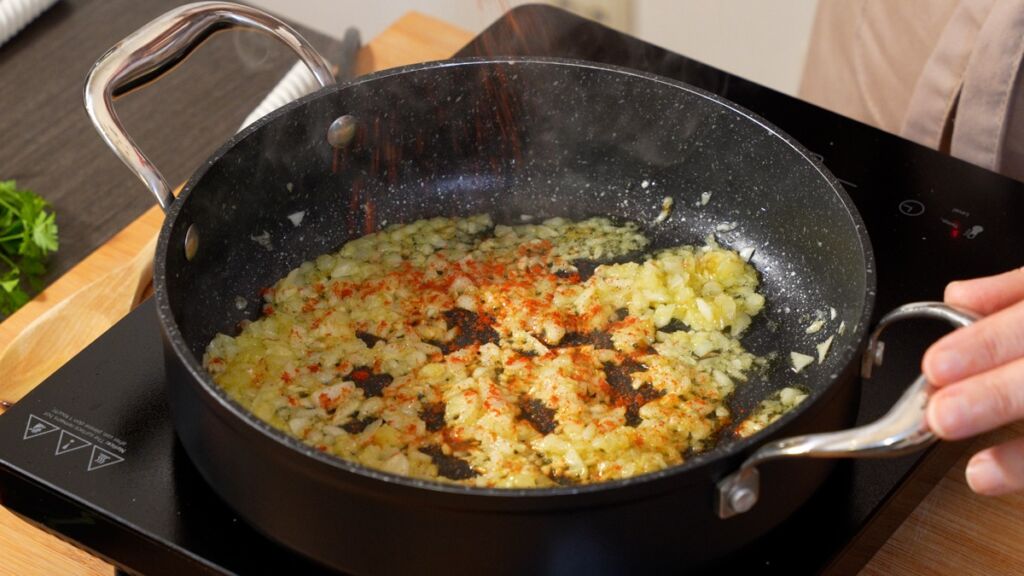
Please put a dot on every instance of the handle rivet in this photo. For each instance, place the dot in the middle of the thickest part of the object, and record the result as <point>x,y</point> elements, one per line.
<point>191,242</point>
<point>341,131</point>
<point>742,500</point>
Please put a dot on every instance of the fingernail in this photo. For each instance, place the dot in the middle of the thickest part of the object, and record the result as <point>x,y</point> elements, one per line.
<point>947,365</point>
<point>950,415</point>
<point>985,476</point>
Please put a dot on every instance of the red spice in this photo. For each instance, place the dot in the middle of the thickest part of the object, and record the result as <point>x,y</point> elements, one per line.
<point>216,361</point>
<point>309,305</point>
<point>268,310</point>
<point>313,368</point>
<point>286,376</point>
<point>325,401</point>
<point>360,375</point>
<point>292,401</point>
<point>341,289</point>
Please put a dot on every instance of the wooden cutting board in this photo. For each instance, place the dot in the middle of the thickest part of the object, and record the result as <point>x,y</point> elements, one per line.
<point>952,532</point>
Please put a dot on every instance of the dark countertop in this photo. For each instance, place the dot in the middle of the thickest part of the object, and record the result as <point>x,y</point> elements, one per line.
<point>49,145</point>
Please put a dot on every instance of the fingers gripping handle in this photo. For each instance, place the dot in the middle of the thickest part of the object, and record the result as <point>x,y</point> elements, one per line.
<point>156,48</point>
<point>903,429</point>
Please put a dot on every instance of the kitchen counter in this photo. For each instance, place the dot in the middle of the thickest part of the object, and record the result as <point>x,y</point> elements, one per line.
<point>50,147</point>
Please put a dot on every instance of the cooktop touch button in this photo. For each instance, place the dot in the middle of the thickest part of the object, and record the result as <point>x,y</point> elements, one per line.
<point>911,208</point>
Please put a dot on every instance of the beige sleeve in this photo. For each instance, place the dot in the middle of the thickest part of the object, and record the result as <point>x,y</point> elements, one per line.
<point>937,94</point>
<point>944,73</point>
<point>988,128</point>
<point>865,56</point>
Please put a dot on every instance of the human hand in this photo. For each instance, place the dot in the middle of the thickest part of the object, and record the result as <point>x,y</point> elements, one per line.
<point>979,373</point>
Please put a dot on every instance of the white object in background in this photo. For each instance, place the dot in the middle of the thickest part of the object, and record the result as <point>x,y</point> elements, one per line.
<point>296,83</point>
<point>299,81</point>
<point>16,14</point>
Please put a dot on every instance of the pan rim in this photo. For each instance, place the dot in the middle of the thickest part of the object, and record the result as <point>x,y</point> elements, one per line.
<point>239,415</point>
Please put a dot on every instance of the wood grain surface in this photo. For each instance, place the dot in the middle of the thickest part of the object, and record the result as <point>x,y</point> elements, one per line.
<point>953,532</point>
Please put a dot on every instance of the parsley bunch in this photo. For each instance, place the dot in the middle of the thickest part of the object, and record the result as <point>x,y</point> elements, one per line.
<point>28,233</point>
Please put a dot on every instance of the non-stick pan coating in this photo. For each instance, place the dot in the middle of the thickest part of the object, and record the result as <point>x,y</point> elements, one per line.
<point>542,138</point>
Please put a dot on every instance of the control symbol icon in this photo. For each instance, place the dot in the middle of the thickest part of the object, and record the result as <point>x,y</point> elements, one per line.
<point>911,208</point>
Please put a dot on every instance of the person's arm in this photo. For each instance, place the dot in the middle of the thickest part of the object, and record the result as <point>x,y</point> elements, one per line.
<point>979,371</point>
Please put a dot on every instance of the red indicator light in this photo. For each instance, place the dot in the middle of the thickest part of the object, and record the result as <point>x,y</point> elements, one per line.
<point>954,233</point>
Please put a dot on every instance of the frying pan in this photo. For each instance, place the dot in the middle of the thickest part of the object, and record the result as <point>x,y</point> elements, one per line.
<point>506,136</point>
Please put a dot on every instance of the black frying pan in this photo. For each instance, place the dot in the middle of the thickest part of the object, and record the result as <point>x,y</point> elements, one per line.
<point>506,137</point>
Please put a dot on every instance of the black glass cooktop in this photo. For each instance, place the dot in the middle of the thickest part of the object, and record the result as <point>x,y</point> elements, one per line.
<point>91,455</point>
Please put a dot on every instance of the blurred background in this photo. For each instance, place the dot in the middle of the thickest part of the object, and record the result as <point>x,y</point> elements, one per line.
<point>762,41</point>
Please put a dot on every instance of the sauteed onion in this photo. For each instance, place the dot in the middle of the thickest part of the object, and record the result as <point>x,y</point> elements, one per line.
<point>531,355</point>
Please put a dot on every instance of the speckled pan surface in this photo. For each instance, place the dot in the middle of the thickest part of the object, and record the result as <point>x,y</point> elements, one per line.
<point>511,137</point>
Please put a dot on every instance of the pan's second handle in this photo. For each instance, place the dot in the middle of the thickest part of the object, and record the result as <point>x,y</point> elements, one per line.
<point>159,46</point>
<point>903,429</point>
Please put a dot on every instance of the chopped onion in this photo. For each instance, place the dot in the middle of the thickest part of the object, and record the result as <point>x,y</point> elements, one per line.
<point>262,239</point>
<point>666,209</point>
<point>800,361</point>
<point>815,326</point>
<point>823,349</point>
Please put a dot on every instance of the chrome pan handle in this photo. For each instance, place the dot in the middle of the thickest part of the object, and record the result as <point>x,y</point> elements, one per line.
<point>155,49</point>
<point>902,430</point>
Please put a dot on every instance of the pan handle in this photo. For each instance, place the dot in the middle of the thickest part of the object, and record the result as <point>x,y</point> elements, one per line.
<point>902,430</point>
<point>158,47</point>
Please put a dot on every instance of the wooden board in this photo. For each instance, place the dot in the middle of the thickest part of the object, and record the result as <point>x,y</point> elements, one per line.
<point>953,532</point>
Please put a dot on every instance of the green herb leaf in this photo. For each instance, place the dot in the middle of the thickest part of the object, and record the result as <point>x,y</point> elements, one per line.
<point>28,234</point>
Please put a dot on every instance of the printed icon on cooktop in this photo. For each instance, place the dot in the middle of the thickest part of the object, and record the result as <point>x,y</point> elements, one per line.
<point>37,427</point>
<point>69,443</point>
<point>101,458</point>
<point>911,208</point>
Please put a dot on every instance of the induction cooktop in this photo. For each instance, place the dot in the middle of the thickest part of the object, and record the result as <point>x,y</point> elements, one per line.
<point>91,456</point>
